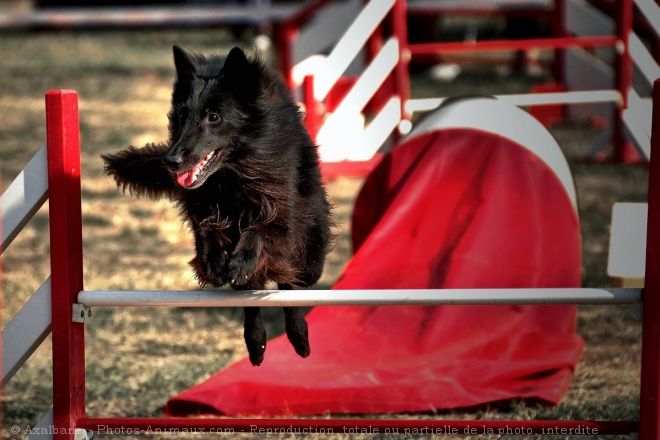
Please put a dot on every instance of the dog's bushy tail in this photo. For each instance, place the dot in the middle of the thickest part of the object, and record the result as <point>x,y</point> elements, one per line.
<point>141,171</point>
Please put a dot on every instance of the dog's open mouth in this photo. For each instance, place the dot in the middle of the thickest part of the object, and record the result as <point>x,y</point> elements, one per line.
<point>193,175</point>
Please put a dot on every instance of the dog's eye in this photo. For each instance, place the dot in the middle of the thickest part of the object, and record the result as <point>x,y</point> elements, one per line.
<point>213,117</point>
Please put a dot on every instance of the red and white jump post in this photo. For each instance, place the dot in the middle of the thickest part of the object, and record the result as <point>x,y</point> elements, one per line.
<point>352,149</point>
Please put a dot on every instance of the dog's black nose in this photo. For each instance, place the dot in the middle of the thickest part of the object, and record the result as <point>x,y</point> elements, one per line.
<point>172,161</point>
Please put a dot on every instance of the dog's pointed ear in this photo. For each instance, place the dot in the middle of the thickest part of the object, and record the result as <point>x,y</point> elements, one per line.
<point>186,63</point>
<point>243,74</point>
<point>236,63</point>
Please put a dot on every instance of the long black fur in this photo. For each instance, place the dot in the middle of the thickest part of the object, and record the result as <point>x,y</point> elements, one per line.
<point>248,184</point>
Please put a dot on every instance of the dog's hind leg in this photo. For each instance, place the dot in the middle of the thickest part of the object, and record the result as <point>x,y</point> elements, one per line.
<point>296,327</point>
<point>255,334</point>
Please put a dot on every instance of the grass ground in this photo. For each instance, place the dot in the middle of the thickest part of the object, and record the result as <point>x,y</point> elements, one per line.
<point>137,359</point>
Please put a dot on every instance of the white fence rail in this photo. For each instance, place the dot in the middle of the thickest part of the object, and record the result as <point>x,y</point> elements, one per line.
<point>526,99</point>
<point>23,198</point>
<point>349,45</point>
<point>26,331</point>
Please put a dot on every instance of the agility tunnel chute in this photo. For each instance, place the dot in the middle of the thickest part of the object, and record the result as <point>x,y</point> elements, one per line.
<point>479,195</point>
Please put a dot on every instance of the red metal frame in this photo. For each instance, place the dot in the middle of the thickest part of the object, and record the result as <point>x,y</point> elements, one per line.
<point>419,49</point>
<point>401,76</point>
<point>640,24</point>
<point>399,82</point>
<point>63,140</point>
<point>650,387</point>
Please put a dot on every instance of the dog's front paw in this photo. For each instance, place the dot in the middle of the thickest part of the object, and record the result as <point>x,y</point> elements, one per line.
<point>241,267</point>
<point>213,265</point>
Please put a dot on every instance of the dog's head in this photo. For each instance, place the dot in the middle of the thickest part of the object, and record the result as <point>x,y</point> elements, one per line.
<point>213,106</point>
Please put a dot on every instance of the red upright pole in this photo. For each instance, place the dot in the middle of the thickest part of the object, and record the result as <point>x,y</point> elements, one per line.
<point>649,418</point>
<point>623,66</point>
<point>560,29</point>
<point>63,139</point>
<point>452,47</point>
<point>312,116</point>
<point>401,74</point>
<point>285,34</point>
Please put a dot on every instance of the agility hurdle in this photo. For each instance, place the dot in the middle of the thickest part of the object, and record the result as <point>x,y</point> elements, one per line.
<point>578,25</point>
<point>64,293</point>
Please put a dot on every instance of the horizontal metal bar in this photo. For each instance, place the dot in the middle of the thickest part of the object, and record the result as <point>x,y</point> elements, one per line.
<point>526,99</point>
<point>276,426</point>
<point>574,97</point>
<point>508,45</point>
<point>423,297</point>
<point>473,7</point>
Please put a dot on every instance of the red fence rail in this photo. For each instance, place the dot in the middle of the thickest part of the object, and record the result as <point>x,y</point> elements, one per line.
<point>356,426</point>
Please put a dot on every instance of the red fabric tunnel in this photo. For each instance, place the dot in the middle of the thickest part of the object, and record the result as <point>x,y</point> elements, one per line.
<point>454,206</point>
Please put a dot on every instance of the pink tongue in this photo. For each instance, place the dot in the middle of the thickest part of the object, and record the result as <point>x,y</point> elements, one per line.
<point>186,178</point>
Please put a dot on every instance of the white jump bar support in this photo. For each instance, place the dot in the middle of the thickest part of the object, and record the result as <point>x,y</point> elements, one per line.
<point>295,298</point>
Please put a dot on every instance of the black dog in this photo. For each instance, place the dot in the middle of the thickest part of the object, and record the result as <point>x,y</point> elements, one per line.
<point>245,174</point>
